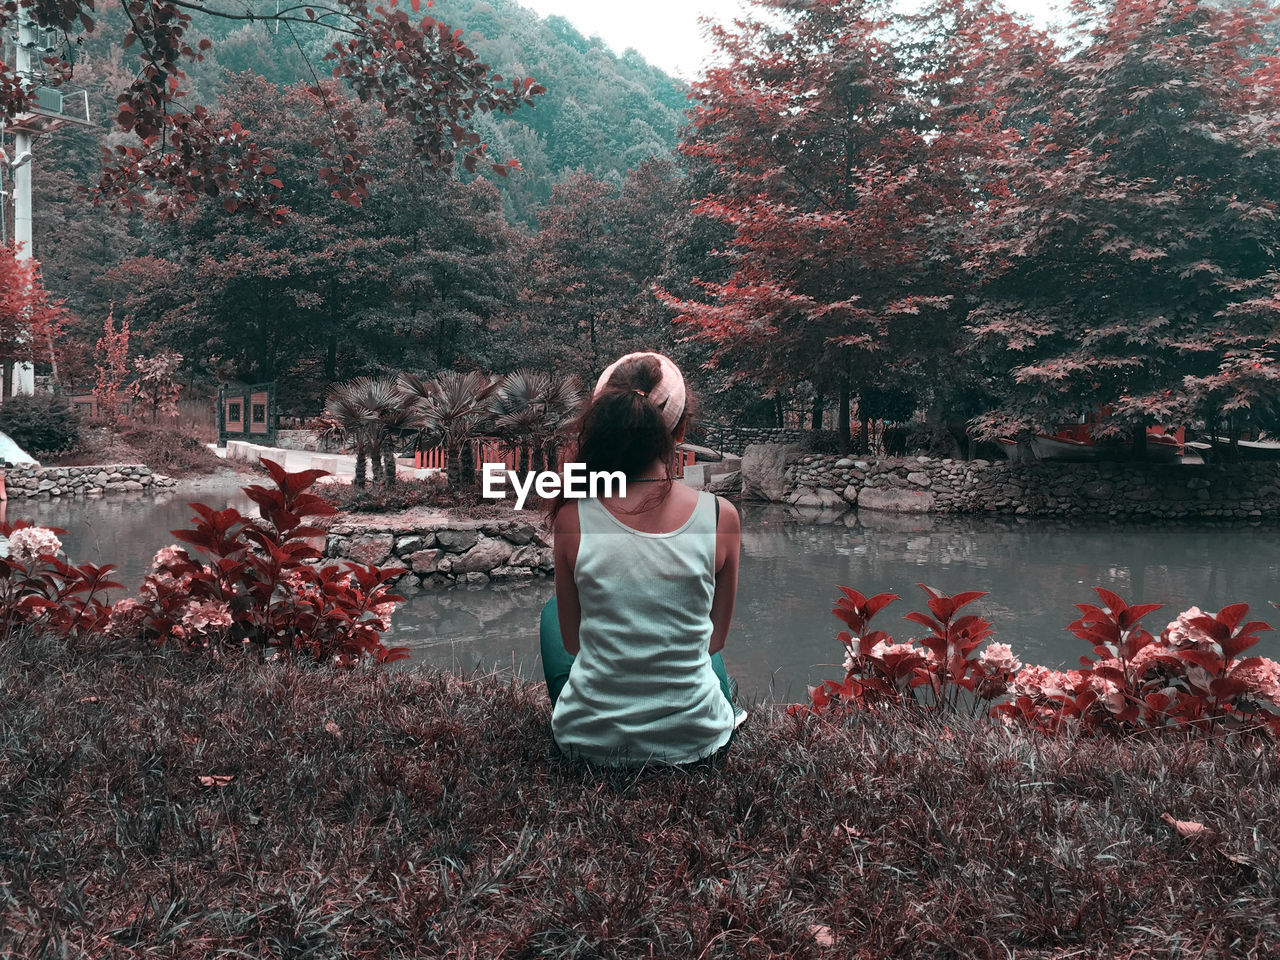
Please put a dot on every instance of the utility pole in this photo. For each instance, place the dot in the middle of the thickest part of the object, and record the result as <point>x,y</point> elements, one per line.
<point>46,111</point>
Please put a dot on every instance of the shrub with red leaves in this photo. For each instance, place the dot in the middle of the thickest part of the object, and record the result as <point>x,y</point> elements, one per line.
<point>1191,675</point>
<point>39,588</point>
<point>260,587</point>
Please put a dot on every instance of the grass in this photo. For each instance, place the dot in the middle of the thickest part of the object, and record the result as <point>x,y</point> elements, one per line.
<point>404,814</point>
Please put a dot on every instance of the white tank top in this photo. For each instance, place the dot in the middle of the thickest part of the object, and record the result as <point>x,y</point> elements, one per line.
<point>642,687</point>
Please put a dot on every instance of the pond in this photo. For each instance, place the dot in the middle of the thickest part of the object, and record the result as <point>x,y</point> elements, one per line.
<point>783,632</point>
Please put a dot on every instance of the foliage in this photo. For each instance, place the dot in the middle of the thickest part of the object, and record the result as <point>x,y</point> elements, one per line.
<point>42,423</point>
<point>1191,677</point>
<point>112,354</point>
<point>155,388</point>
<point>404,495</point>
<point>39,590</point>
<point>420,70</point>
<point>30,319</point>
<point>259,587</point>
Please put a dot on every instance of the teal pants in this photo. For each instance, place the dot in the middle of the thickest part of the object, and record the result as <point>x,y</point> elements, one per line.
<point>556,661</point>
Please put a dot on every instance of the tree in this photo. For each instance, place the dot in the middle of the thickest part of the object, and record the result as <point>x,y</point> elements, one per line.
<point>826,187</point>
<point>1129,265</point>
<point>450,410</point>
<point>420,71</point>
<point>30,320</point>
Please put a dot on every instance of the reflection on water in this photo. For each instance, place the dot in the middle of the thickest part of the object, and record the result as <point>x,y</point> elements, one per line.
<point>783,632</point>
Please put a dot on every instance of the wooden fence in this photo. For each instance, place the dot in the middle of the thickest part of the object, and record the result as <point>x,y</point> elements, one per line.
<point>489,450</point>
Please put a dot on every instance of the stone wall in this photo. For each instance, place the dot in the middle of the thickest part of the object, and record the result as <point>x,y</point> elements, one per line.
<point>46,482</point>
<point>446,550</point>
<point>1044,489</point>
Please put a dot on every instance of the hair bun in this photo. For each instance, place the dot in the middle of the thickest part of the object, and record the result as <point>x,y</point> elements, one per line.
<point>668,394</point>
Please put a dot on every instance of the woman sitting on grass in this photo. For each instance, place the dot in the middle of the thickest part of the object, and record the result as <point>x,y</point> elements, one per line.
<point>645,586</point>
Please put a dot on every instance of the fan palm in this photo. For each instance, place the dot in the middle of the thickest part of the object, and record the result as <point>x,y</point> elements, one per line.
<point>534,408</point>
<point>450,410</point>
<point>366,411</point>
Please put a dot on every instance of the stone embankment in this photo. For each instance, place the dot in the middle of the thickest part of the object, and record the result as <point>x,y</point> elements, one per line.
<point>1045,489</point>
<point>47,482</point>
<point>443,550</point>
<point>736,439</point>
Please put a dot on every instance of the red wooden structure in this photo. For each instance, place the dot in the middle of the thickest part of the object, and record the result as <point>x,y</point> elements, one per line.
<point>489,450</point>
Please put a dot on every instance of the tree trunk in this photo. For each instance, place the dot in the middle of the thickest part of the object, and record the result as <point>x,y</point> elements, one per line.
<point>360,480</point>
<point>842,427</point>
<point>818,403</point>
<point>331,357</point>
<point>375,462</point>
<point>1138,446</point>
<point>777,410</point>
<point>389,464</point>
<point>453,466</point>
<point>466,465</point>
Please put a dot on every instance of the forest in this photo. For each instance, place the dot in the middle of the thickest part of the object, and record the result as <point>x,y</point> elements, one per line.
<point>852,214</point>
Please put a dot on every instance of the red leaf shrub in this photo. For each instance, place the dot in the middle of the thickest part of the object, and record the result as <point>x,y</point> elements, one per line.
<point>1191,675</point>
<point>260,586</point>
<point>39,588</point>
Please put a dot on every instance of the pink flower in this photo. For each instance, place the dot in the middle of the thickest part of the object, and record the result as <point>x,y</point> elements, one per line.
<point>167,556</point>
<point>999,658</point>
<point>207,617</point>
<point>1183,635</point>
<point>126,618</point>
<point>1264,680</point>
<point>32,543</point>
<point>1037,681</point>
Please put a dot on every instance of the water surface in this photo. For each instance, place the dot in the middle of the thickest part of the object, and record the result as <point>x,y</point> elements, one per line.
<point>783,632</point>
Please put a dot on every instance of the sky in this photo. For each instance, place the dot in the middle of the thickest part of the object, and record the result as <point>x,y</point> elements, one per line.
<point>667,32</point>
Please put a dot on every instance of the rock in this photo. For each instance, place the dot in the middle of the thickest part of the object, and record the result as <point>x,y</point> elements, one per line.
<point>764,470</point>
<point>896,500</point>
<point>920,479</point>
<point>133,485</point>
<point>410,545</point>
<point>844,463</point>
<point>484,556</point>
<point>457,541</point>
<point>851,493</point>
<point>520,533</point>
<point>373,549</point>
<point>474,577</point>
<point>424,561</point>
<point>726,484</point>
<point>511,572</point>
<point>526,557</point>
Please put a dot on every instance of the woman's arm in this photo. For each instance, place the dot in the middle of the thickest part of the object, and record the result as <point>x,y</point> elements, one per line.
<point>728,545</point>
<point>565,552</point>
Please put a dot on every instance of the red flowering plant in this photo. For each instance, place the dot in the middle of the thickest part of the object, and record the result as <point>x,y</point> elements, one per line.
<point>1192,674</point>
<point>934,672</point>
<point>39,588</point>
<point>262,587</point>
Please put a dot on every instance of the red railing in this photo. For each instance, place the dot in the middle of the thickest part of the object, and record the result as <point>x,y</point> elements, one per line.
<point>492,451</point>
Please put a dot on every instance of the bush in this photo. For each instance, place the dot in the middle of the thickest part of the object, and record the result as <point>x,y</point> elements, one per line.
<point>1192,675</point>
<point>401,495</point>
<point>822,441</point>
<point>260,588</point>
<point>42,423</point>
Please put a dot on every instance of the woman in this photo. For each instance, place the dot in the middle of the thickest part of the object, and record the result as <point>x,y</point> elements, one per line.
<point>645,586</point>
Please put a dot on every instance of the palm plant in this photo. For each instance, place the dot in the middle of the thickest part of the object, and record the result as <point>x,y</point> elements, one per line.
<point>532,409</point>
<point>450,410</point>
<point>363,409</point>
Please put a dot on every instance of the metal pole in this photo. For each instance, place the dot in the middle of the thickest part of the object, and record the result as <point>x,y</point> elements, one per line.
<point>24,379</point>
